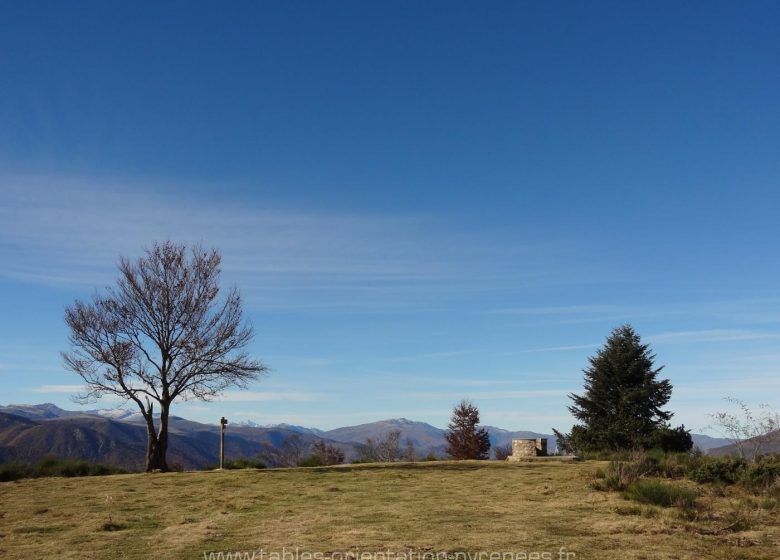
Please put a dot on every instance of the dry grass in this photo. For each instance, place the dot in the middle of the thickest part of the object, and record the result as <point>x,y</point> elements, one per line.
<point>443,506</point>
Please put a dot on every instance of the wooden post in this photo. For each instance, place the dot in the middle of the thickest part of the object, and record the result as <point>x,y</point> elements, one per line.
<point>222,423</point>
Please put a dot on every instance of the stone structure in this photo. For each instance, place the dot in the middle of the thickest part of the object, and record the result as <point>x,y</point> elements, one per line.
<point>523,449</point>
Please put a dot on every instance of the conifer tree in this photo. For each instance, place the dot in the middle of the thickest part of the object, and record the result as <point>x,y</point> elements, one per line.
<point>464,439</point>
<point>622,406</point>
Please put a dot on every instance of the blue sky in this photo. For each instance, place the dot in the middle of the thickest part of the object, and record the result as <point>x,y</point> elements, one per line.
<point>419,201</point>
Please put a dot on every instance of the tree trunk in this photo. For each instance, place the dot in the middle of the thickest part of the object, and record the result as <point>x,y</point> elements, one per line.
<point>156,442</point>
<point>162,439</point>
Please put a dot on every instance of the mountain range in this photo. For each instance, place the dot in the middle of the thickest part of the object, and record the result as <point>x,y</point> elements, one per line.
<point>118,437</point>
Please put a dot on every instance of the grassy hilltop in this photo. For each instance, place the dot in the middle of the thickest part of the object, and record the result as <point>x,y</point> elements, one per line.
<point>434,507</point>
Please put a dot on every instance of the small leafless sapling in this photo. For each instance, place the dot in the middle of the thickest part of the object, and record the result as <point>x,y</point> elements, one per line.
<point>501,452</point>
<point>751,432</point>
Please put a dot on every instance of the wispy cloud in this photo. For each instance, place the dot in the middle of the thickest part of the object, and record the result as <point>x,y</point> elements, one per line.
<point>764,310</point>
<point>431,356</point>
<point>261,396</point>
<point>572,314</point>
<point>473,382</point>
<point>490,395</point>
<point>228,396</point>
<point>557,310</point>
<point>78,230</point>
<point>58,389</point>
<point>557,348</point>
<point>763,358</point>
<point>72,231</point>
<point>712,335</point>
<point>768,384</point>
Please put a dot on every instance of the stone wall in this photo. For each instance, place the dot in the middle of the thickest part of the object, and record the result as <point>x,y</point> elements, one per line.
<point>525,448</point>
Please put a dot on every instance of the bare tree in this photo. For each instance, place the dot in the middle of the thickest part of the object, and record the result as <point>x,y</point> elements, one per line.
<point>409,453</point>
<point>368,451</point>
<point>750,432</point>
<point>160,334</point>
<point>390,447</point>
<point>326,453</point>
<point>291,452</point>
<point>383,450</point>
<point>501,452</point>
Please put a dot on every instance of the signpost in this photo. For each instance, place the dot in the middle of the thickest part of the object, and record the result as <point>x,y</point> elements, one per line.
<point>222,423</point>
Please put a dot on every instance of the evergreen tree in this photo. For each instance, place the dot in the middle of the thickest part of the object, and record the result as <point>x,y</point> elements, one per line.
<point>622,407</point>
<point>464,439</point>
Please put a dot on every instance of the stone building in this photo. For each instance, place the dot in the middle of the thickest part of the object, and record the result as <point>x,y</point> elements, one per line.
<point>525,448</point>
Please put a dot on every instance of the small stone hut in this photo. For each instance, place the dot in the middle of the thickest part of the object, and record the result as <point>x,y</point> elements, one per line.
<point>525,448</point>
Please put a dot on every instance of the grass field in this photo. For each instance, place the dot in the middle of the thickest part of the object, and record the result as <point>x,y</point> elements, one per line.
<point>429,508</point>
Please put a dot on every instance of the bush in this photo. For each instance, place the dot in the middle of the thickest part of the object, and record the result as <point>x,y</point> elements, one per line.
<point>622,455</point>
<point>52,466</point>
<point>657,462</point>
<point>619,475</point>
<point>14,471</point>
<point>311,461</point>
<point>659,493</point>
<point>762,474</point>
<point>718,470</point>
<point>674,440</point>
<point>235,464</point>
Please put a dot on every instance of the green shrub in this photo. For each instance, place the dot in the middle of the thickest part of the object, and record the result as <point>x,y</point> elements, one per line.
<point>310,461</point>
<point>656,462</point>
<point>67,468</point>
<point>718,470</point>
<point>659,493</point>
<point>52,466</point>
<point>605,455</point>
<point>14,471</point>
<point>761,475</point>
<point>619,475</point>
<point>244,464</point>
<point>675,440</point>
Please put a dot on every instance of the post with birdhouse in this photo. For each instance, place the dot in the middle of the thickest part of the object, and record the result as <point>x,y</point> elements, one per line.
<point>222,423</point>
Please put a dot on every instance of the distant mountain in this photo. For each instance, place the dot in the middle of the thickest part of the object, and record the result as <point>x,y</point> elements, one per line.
<point>10,427</point>
<point>282,426</point>
<point>772,446</point>
<point>90,438</point>
<point>705,443</point>
<point>45,411</point>
<point>48,411</point>
<point>118,436</point>
<point>123,444</point>
<point>424,436</point>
